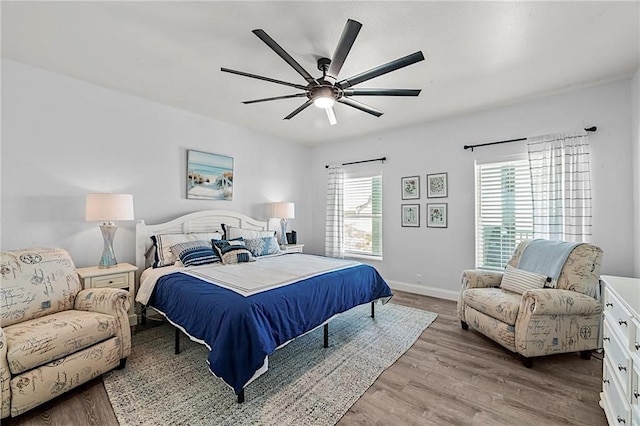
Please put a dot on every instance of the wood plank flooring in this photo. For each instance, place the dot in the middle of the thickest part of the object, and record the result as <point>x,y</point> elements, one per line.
<point>449,377</point>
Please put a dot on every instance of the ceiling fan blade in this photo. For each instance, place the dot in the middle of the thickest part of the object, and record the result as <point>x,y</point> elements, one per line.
<point>284,55</point>
<point>331,115</point>
<point>382,69</point>
<point>360,106</point>
<point>297,110</point>
<point>297,95</point>
<point>348,37</point>
<point>259,77</point>
<point>382,92</point>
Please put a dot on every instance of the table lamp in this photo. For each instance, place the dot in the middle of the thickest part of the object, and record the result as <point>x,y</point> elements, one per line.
<point>108,208</point>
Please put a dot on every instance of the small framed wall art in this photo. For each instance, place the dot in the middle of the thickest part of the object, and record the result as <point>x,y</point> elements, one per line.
<point>411,188</point>
<point>437,215</point>
<point>437,185</point>
<point>209,176</point>
<point>411,215</point>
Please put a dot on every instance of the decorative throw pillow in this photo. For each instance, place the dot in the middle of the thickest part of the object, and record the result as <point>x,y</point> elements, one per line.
<point>231,232</point>
<point>263,246</point>
<point>232,251</point>
<point>519,281</point>
<point>164,242</point>
<point>194,253</point>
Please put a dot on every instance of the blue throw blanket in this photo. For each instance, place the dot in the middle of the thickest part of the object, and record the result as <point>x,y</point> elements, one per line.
<point>546,257</point>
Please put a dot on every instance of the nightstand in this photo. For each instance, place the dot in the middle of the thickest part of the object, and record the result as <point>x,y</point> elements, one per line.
<point>291,248</point>
<point>120,276</point>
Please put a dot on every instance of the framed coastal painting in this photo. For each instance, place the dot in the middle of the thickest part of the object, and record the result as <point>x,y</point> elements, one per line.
<point>209,176</point>
<point>437,215</point>
<point>411,188</point>
<point>437,185</point>
<point>411,215</point>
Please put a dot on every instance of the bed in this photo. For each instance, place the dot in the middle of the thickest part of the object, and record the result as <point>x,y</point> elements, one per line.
<point>244,312</point>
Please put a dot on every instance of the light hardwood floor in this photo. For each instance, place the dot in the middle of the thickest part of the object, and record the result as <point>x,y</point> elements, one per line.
<point>448,377</point>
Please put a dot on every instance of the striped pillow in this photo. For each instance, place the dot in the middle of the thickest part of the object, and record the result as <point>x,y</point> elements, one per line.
<point>519,281</point>
<point>194,253</point>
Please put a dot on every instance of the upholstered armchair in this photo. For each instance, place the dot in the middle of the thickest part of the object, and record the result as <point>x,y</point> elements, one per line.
<point>532,314</point>
<point>54,336</point>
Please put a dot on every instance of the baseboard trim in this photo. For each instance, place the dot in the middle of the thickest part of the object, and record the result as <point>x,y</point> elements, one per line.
<point>424,290</point>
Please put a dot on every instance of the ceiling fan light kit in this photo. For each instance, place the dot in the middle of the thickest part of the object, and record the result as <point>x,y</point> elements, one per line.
<point>325,91</point>
<point>323,97</point>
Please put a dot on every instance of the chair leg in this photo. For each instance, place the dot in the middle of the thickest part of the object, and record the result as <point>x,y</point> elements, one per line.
<point>123,363</point>
<point>464,325</point>
<point>527,362</point>
<point>585,355</point>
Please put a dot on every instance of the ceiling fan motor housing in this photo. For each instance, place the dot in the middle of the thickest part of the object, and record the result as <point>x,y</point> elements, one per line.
<point>323,64</point>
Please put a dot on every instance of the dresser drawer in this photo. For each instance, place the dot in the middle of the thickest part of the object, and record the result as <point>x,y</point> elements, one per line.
<point>616,406</point>
<point>635,415</point>
<point>635,340</point>
<point>617,356</point>
<point>114,280</point>
<point>634,396</point>
<point>619,316</point>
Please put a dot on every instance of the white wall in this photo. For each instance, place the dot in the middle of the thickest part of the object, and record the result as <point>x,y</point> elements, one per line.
<point>441,254</point>
<point>63,138</point>
<point>635,120</point>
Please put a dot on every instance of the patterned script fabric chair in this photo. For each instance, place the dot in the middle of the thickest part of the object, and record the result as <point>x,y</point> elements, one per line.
<point>54,336</point>
<point>537,321</point>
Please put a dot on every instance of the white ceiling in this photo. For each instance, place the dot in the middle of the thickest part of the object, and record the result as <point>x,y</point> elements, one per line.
<point>479,55</point>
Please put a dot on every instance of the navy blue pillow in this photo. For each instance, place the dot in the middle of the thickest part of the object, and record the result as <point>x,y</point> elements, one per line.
<point>195,253</point>
<point>232,251</point>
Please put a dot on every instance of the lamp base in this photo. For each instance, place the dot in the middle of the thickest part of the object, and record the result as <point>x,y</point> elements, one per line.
<point>283,235</point>
<point>108,259</point>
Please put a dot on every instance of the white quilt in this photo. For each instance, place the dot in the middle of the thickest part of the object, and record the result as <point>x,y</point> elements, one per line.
<point>252,277</point>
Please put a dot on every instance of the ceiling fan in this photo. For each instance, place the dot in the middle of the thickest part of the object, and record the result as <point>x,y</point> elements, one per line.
<point>323,92</point>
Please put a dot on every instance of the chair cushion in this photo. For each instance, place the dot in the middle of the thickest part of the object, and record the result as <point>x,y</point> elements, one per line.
<point>41,340</point>
<point>497,303</point>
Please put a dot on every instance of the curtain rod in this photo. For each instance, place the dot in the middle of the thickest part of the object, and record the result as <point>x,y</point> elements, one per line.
<point>383,159</point>
<point>589,129</point>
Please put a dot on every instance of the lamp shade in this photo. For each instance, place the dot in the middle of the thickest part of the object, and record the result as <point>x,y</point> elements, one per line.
<point>284,210</point>
<point>109,207</point>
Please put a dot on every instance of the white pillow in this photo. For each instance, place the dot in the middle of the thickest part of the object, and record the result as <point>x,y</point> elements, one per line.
<point>519,281</point>
<point>232,232</point>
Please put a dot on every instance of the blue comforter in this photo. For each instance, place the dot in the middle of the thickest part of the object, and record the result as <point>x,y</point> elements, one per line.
<point>241,331</point>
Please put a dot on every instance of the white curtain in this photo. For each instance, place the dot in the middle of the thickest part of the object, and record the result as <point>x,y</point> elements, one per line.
<point>334,239</point>
<point>561,186</point>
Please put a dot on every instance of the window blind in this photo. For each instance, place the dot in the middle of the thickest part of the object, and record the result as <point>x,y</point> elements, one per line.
<point>363,214</point>
<point>504,211</point>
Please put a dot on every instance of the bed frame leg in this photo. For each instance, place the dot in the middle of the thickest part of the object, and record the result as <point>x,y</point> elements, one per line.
<point>143,315</point>
<point>326,335</point>
<point>373,310</point>
<point>177,344</point>
<point>241,397</point>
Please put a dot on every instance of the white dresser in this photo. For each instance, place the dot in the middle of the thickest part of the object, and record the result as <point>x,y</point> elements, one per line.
<point>621,341</point>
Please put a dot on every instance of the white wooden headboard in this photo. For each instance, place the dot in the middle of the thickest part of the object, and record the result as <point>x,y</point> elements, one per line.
<point>202,221</point>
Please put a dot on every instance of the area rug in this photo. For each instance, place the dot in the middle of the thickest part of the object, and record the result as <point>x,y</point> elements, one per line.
<point>306,384</point>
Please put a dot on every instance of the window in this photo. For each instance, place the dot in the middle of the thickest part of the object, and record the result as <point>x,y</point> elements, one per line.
<point>363,214</point>
<point>504,211</point>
